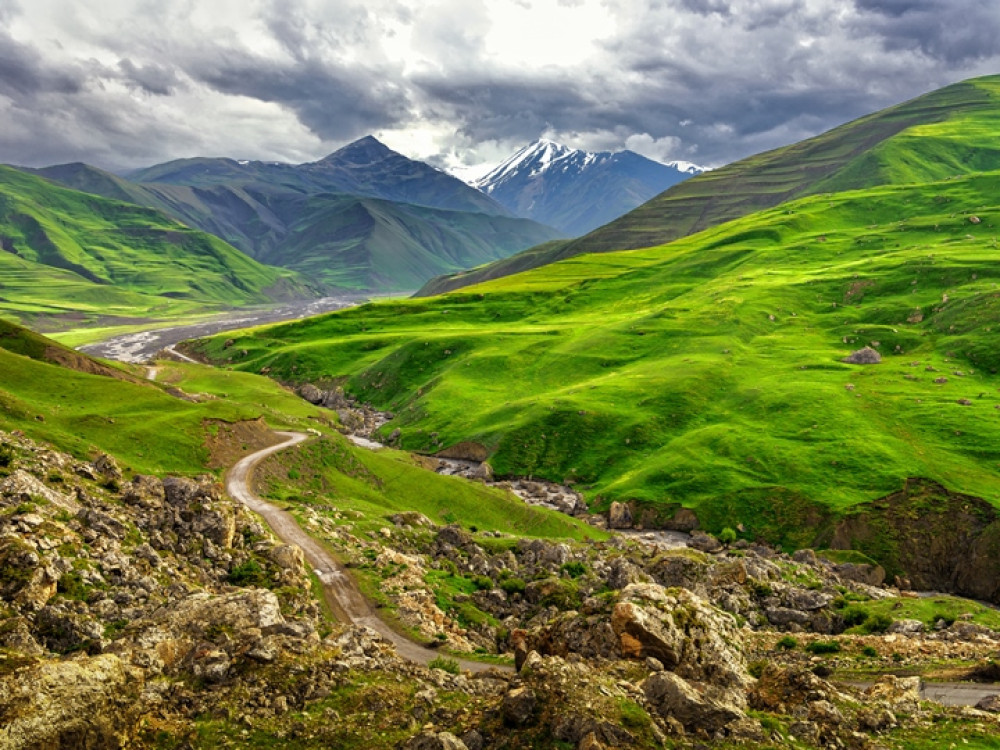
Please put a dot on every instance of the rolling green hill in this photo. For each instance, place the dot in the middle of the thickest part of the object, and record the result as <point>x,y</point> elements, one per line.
<point>69,255</point>
<point>707,372</point>
<point>944,133</point>
<point>364,218</point>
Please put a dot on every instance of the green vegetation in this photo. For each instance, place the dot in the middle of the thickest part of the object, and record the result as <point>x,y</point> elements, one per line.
<point>823,647</point>
<point>370,486</point>
<point>85,407</point>
<point>445,664</point>
<point>928,610</point>
<point>707,373</point>
<point>69,257</point>
<point>933,137</point>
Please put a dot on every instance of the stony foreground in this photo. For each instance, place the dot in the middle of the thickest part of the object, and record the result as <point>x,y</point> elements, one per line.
<point>153,612</point>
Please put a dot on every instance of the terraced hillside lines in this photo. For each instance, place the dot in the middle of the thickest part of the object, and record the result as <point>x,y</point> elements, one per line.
<point>935,136</point>
<point>707,372</point>
<point>67,252</point>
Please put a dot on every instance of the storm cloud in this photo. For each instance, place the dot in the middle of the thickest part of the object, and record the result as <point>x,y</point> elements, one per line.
<point>464,82</point>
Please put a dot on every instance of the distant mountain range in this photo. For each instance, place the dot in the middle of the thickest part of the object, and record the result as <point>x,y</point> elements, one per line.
<point>77,258</point>
<point>577,191</point>
<point>363,218</point>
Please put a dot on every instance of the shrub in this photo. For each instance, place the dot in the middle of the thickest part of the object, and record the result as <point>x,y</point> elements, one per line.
<point>513,585</point>
<point>869,651</point>
<point>877,623</point>
<point>482,583</point>
<point>756,668</point>
<point>854,616</point>
<point>249,573</point>
<point>787,643</point>
<point>574,569</point>
<point>727,536</point>
<point>6,455</point>
<point>445,664</point>
<point>823,647</point>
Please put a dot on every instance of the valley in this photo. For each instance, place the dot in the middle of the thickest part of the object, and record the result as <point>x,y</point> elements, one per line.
<point>721,473</point>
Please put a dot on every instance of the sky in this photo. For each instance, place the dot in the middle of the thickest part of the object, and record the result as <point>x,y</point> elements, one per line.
<point>462,84</point>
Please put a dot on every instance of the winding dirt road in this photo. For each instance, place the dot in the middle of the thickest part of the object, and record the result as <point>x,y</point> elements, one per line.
<point>339,588</point>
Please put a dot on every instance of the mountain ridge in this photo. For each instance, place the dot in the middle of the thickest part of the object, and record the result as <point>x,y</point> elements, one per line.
<point>577,191</point>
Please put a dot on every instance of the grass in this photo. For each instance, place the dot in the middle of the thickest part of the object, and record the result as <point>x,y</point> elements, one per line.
<point>928,610</point>
<point>370,486</point>
<point>707,373</point>
<point>139,423</point>
<point>76,258</point>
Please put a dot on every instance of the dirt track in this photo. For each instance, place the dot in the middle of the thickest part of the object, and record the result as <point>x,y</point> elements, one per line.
<point>339,588</point>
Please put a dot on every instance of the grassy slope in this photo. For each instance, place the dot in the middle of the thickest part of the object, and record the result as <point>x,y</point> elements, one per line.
<point>69,252</point>
<point>660,374</point>
<point>953,127</point>
<point>152,431</point>
<point>301,218</point>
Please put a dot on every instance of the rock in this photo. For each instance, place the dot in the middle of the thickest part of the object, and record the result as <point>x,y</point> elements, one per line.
<point>519,706</point>
<point>683,520</point>
<point>106,467</point>
<point>806,557</point>
<point>436,741</point>
<point>779,690</point>
<point>311,393</point>
<point>907,627</point>
<point>806,731</point>
<point>590,742</point>
<point>620,516</point>
<point>897,693</point>
<point>872,575</point>
<point>85,703</point>
<point>22,487</point>
<point>682,631</point>
<point>989,703</point>
<point>455,536</point>
<point>876,719</point>
<point>288,557</point>
<point>705,542</point>
<point>671,695</point>
<point>411,518</point>
<point>621,573</point>
<point>865,356</point>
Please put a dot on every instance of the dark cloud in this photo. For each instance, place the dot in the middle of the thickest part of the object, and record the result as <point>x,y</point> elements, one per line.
<point>151,78</point>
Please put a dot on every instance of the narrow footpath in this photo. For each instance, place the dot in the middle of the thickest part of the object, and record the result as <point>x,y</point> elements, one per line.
<point>339,588</point>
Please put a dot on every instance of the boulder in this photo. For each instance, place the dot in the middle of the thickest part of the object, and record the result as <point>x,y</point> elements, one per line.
<point>683,632</point>
<point>22,487</point>
<point>900,694</point>
<point>620,516</point>
<point>84,703</point>
<point>435,741</point>
<point>106,468</point>
<point>311,393</point>
<point>907,627</point>
<point>989,703</point>
<point>519,706</point>
<point>865,356</point>
<point>672,696</point>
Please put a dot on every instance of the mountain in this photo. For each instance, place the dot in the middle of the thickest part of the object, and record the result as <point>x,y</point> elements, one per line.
<point>363,218</point>
<point>66,254</point>
<point>873,150</point>
<point>709,373</point>
<point>576,191</point>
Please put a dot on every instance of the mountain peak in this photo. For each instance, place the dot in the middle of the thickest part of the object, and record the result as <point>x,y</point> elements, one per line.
<point>367,150</point>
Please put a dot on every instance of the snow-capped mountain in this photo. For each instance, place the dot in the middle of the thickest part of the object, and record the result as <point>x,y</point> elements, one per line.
<point>577,191</point>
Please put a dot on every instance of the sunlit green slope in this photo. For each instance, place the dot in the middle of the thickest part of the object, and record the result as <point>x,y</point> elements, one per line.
<point>948,132</point>
<point>709,369</point>
<point>67,253</point>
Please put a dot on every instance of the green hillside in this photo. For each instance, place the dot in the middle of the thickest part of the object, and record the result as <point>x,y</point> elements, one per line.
<point>947,132</point>
<point>69,255</point>
<point>707,372</point>
<point>364,218</point>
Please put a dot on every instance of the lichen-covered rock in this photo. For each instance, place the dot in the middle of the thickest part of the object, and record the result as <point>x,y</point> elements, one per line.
<point>673,696</point>
<point>85,703</point>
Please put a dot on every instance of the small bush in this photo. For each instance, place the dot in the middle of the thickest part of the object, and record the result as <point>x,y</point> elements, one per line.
<point>574,569</point>
<point>727,536</point>
<point>6,455</point>
<point>877,623</point>
<point>760,589</point>
<point>445,664</point>
<point>513,585</point>
<point>756,668</point>
<point>823,647</point>
<point>854,616</point>
<point>787,643</point>
<point>482,583</point>
<point>869,651</point>
<point>249,573</point>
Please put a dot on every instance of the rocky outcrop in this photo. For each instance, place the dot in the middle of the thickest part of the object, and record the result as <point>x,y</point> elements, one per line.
<point>953,547</point>
<point>673,697</point>
<point>86,703</point>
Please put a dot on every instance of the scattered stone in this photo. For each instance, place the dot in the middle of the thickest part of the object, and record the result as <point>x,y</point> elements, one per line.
<point>864,356</point>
